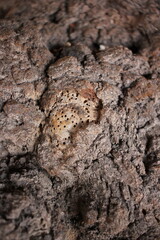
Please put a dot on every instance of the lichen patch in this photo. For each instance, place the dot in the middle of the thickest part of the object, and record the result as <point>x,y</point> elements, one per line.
<point>73,110</point>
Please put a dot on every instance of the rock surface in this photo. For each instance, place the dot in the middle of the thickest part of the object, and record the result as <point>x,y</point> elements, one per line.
<point>79,120</point>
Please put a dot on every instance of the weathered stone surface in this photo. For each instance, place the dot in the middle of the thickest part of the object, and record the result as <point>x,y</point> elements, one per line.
<point>19,128</point>
<point>103,183</point>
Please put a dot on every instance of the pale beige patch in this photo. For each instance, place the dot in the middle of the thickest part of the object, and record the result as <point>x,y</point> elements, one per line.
<point>74,109</point>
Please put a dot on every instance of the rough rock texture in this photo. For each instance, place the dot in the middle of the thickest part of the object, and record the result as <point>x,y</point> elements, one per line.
<point>79,120</point>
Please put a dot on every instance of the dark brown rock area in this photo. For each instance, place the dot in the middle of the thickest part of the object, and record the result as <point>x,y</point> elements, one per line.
<point>79,120</point>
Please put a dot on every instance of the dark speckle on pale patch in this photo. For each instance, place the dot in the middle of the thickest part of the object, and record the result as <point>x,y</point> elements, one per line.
<point>73,111</point>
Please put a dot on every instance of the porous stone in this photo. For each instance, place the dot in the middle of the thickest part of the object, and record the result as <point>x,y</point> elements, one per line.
<point>79,120</point>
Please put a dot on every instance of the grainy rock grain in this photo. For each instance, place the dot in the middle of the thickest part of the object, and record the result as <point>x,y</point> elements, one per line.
<point>79,120</point>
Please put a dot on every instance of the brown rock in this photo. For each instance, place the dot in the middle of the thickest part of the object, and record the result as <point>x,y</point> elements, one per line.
<point>103,183</point>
